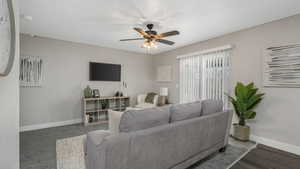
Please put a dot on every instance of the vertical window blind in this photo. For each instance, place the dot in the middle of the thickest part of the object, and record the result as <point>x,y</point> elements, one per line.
<point>190,82</point>
<point>205,75</point>
<point>215,76</point>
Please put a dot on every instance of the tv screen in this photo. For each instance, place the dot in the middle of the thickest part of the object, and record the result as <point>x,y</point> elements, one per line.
<point>105,72</point>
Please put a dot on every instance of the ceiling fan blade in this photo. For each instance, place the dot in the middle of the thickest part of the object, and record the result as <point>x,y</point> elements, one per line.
<point>167,42</point>
<point>141,31</point>
<point>132,39</point>
<point>171,33</point>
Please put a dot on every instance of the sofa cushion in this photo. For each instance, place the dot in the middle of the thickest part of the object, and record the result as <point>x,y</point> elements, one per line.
<point>211,106</point>
<point>185,111</point>
<point>133,120</point>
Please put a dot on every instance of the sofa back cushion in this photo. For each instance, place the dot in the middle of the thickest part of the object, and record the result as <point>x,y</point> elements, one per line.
<point>170,145</point>
<point>211,106</point>
<point>133,120</point>
<point>185,111</point>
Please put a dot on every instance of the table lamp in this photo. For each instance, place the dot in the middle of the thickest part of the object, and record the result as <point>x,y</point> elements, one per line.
<point>164,95</point>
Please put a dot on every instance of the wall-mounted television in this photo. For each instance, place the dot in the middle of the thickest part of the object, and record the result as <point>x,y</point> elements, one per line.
<point>105,72</point>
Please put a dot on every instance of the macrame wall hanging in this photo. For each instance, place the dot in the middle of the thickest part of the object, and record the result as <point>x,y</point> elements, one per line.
<point>31,71</point>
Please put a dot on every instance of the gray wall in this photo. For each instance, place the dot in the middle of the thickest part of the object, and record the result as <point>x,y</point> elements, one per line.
<point>66,75</point>
<point>279,114</point>
<point>9,110</point>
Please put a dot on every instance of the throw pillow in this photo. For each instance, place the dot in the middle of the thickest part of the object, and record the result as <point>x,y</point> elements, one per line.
<point>150,98</point>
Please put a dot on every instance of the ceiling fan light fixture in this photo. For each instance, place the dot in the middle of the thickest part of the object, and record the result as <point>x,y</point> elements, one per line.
<point>149,45</point>
<point>152,37</point>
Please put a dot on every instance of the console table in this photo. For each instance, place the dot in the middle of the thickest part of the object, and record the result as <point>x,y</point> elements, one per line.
<point>95,110</point>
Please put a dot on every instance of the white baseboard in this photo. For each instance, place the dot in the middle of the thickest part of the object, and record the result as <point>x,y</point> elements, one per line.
<point>48,125</point>
<point>276,144</point>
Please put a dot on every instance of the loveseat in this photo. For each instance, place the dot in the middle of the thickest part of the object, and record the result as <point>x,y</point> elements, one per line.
<point>170,137</point>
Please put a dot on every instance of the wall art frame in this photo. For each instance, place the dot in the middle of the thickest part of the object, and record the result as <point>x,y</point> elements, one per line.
<point>281,66</point>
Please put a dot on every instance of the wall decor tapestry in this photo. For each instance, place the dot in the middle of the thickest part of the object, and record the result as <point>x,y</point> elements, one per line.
<point>282,66</point>
<point>31,71</point>
<point>7,36</point>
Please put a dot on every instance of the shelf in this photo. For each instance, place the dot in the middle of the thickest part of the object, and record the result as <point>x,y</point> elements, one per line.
<point>104,110</point>
<point>92,108</point>
<point>95,110</point>
<point>106,98</point>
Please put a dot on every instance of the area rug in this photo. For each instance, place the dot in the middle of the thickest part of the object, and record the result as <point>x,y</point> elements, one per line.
<point>262,157</point>
<point>70,155</point>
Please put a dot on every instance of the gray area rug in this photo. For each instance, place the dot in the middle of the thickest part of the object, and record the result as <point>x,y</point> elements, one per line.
<point>221,160</point>
<point>70,155</point>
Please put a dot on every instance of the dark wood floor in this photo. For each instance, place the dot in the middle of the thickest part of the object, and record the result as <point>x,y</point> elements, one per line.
<point>264,157</point>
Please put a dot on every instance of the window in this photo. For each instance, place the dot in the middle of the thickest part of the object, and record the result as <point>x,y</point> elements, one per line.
<point>205,75</point>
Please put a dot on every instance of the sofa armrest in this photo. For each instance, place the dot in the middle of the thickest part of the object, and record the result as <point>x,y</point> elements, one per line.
<point>95,149</point>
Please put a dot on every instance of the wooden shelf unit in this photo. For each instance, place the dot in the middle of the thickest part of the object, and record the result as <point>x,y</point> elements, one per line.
<point>94,112</point>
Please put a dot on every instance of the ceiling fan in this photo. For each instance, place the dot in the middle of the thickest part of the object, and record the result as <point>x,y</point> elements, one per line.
<point>152,36</point>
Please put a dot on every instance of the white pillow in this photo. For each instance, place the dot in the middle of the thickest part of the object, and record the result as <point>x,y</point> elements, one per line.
<point>114,118</point>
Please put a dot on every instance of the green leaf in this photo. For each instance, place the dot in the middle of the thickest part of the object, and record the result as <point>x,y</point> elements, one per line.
<point>249,115</point>
<point>233,101</point>
<point>252,92</point>
<point>250,85</point>
<point>254,100</point>
<point>254,104</point>
<point>236,108</point>
<point>241,105</point>
<point>241,91</point>
<point>237,87</point>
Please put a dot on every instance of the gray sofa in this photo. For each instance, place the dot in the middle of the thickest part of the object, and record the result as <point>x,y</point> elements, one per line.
<point>173,137</point>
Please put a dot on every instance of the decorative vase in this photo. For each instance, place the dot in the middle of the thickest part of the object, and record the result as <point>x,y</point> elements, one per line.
<point>88,92</point>
<point>241,133</point>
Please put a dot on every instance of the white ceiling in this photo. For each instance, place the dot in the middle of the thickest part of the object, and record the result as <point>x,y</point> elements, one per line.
<point>104,22</point>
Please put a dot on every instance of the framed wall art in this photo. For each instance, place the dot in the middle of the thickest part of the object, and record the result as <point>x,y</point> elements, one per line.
<point>282,66</point>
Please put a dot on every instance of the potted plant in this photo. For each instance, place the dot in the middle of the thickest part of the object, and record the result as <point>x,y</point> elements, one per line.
<point>104,104</point>
<point>246,99</point>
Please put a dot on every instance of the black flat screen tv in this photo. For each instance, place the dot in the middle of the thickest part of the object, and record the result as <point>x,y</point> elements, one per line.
<point>105,72</point>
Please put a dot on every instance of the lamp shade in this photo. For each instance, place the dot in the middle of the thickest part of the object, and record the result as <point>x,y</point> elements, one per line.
<point>163,91</point>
